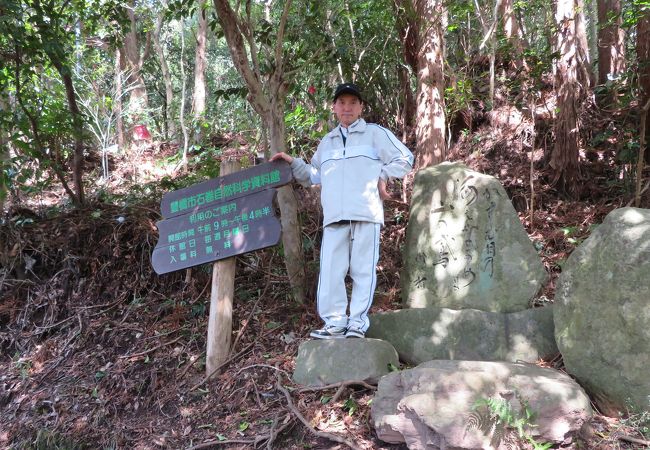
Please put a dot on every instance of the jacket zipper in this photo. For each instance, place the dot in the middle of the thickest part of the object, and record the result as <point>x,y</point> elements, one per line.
<point>344,164</point>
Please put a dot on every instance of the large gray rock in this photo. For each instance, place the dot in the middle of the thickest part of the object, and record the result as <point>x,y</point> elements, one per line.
<point>423,334</point>
<point>602,315</point>
<point>435,405</point>
<point>465,245</point>
<point>321,362</point>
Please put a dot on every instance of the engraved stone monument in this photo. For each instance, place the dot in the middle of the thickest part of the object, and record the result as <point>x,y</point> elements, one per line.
<point>465,245</point>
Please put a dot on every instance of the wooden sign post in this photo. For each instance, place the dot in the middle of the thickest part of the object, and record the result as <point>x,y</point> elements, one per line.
<point>221,300</point>
<point>214,221</point>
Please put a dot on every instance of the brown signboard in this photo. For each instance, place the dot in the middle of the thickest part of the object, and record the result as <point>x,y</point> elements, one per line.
<point>217,231</point>
<point>225,189</point>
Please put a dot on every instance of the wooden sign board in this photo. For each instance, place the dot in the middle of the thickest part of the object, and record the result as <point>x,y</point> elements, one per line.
<point>226,188</point>
<point>217,232</point>
<point>220,218</point>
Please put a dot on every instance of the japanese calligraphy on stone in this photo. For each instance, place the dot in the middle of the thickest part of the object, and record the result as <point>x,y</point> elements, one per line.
<point>464,244</point>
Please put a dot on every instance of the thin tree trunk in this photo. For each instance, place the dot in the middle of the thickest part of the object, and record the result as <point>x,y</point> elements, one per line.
<point>77,126</point>
<point>182,112</point>
<point>407,31</point>
<point>408,102</point>
<point>643,55</point>
<point>640,164</point>
<point>430,123</point>
<point>200,63</point>
<point>611,40</point>
<point>332,35</point>
<point>564,159</point>
<point>65,72</point>
<point>138,98</point>
<point>170,123</point>
<point>490,33</point>
<point>4,158</point>
<point>586,75</point>
<point>118,104</point>
<point>511,31</point>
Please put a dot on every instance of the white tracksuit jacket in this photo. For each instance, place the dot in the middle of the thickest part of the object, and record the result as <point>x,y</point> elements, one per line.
<point>348,172</point>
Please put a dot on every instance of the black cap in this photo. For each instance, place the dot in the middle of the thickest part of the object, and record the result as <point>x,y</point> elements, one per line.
<point>347,88</point>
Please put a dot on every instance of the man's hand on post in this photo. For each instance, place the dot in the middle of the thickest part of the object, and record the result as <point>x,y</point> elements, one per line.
<point>282,155</point>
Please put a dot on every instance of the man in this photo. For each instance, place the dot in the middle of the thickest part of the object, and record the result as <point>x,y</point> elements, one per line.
<point>352,164</point>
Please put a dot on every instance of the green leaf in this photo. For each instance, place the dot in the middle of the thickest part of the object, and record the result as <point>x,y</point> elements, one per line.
<point>243,426</point>
<point>350,406</point>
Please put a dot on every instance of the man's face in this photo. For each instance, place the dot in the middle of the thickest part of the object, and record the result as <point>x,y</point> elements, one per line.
<point>347,108</point>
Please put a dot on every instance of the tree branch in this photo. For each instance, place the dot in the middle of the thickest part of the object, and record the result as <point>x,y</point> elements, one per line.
<point>280,38</point>
<point>229,23</point>
<point>305,422</point>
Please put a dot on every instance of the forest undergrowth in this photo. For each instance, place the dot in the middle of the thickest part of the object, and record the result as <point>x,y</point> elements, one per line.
<point>98,351</point>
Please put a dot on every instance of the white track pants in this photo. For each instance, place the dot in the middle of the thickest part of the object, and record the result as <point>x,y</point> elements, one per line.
<point>354,247</point>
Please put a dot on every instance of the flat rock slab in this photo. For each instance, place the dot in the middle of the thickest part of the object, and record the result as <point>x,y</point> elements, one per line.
<point>465,245</point>
<point>423,334</point>
<point>437,405</point>
<point>321,362</point>
<point>602,315</point>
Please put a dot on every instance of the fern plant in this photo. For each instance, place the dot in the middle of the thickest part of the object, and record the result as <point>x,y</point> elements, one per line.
<point>497,418</point>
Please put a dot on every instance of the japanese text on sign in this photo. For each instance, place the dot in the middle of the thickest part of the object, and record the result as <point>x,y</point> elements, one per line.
<point>225,192</point>
<point>217,232</point>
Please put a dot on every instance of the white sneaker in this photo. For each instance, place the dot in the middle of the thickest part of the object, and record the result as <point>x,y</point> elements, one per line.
<point>329,332</point>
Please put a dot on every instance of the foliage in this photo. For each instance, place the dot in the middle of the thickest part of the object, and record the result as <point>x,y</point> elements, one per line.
<point>351,406</point>
<point>638,420</point>
<point>39,44</point>
<point>499,419</point>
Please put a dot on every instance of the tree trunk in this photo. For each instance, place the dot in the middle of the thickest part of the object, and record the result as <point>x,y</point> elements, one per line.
<point>406,29</point>
<point>430,123</point>
<point>119,94</point>
<point>291,236</point>
<point>611,40</point>
<point>511,29</point>
<point>78,130</point>
<point>200,63</point>
<point>5,134</point>
<point>268,101</point>
<point>138,99</point>
<point>585,73</point>
<point>186,137</point>
<point>564,158</point>
<point>65,72</point>
<point>643,55</point>
<point>168,117</point>
<point>408,102</point>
